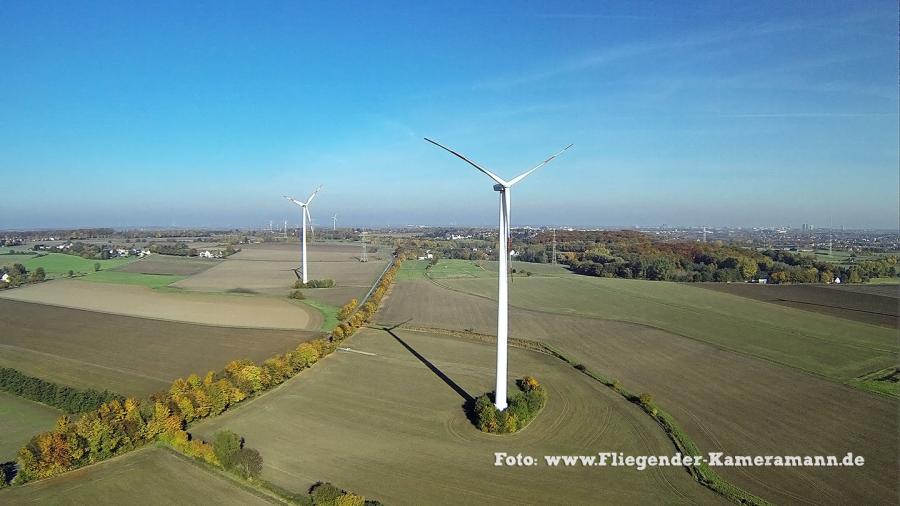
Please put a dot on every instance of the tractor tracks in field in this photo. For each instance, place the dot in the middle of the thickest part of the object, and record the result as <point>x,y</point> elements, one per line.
<point>543,348</point>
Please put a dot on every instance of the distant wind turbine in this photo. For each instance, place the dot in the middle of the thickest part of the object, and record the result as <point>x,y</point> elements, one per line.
<point>305,213</point>
<point>503,290</point>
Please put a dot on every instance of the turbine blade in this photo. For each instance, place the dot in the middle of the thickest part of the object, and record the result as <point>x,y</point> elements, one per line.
<point>311,197</point>
<point>545,162</point>
<point>470,162</point>
<point>301,204</point>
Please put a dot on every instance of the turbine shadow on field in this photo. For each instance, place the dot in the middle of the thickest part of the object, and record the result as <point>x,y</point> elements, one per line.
<point>440,374</point>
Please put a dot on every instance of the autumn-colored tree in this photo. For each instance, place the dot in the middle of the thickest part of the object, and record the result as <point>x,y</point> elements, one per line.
<point>347,309</point>
<point>306,355</point>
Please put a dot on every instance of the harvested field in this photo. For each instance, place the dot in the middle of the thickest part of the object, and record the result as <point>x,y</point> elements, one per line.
<point>21,419</point>
<point>150,476</point>
<point>290,252</point>
<point>269,269</point>
<point>131,356</point>
<point>866,306</point>
<point>386,426</point>
<point>725,401</point>
<point>140,301</point>
<point>833,347</point>
<point>885,289</point>
<point>162,264</point>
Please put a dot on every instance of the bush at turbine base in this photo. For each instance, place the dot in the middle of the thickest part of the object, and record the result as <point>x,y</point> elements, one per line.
<point>315,283</point>
<point>524,405</point>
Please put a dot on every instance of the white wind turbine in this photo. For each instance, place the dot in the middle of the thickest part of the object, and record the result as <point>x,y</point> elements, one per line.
<point>503,290</point>
<point>305,213</point>
<point>333,224</point>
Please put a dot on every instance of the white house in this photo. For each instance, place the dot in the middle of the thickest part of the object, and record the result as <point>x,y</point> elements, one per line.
<point>205,254</point>
<point>837,280</point>
<point>4,278</point>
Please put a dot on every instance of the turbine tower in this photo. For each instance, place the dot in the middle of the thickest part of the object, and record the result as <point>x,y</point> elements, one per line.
<point>365,254</point>
<point>333,225</point>
<point>503,288</point>
<point>305,207</point>
<point>553,260</point>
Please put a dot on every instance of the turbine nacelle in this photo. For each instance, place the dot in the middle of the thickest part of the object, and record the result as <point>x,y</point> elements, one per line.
<point>501,183</point>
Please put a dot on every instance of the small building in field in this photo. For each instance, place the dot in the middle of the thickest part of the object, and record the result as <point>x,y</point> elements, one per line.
<point>4,278</point>
<point>837,280</point>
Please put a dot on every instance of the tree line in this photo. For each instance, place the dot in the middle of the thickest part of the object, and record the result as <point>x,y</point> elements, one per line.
<point>68,399</point>
<point>633,255</point>
<point>119,426</point>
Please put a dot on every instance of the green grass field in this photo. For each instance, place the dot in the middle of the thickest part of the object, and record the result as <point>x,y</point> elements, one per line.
<point>58,265</point>
<point>151,476</point>
<point>843,257</point>
<point>884,281</point>
<point>20,419</point>
<point>327,310</point>
<point>837,348</point>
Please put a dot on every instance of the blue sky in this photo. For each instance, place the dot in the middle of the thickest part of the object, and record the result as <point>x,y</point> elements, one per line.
<point>203,114</point>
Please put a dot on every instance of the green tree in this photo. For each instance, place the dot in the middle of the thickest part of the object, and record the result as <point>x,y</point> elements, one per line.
<point>38,275</point>
<point>748,267</point>
<point>248,463</point>
<point>226,446</point>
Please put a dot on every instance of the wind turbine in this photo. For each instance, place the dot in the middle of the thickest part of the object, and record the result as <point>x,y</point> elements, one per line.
<point>503,289</point>
<point>305,213</point>
<point>333,224</point>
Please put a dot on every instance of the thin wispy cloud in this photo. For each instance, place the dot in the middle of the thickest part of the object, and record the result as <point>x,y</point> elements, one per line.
<point>807,115</point>
<point>713,39</point>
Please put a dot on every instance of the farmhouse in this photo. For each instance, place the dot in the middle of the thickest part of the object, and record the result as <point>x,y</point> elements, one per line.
<point>4,278</point>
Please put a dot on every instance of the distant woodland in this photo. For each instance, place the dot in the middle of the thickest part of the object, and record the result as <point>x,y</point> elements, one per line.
<point>634,255</point>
